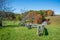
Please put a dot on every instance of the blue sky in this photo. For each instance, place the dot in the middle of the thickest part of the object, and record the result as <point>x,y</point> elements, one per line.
<point>21,5</point>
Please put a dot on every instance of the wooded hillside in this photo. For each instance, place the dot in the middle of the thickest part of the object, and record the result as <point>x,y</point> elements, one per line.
<point>13,16</point>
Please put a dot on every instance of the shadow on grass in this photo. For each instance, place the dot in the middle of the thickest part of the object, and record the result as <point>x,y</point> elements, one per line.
<point>0,27</point>
<point>12,26</point>
<point>46,31</point>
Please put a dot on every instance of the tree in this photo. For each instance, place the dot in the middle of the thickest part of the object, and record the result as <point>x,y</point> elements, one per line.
<point>4,7</point>
<point>42,13</point>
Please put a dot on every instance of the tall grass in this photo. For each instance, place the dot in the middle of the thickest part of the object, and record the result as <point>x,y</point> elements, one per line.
<point>23,33</point>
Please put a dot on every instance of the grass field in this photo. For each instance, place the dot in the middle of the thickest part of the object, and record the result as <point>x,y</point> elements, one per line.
<point>13,31</point>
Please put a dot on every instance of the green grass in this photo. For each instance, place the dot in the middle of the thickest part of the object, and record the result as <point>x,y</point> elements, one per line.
<point>17,32</point>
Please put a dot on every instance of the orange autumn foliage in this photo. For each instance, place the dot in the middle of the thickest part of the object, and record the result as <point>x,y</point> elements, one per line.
<point>33,17</point>
<point>36,17</point>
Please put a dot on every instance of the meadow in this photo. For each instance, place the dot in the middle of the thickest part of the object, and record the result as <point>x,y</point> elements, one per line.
<point>13,31</point>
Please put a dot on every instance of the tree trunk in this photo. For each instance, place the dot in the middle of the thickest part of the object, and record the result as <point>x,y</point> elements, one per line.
<point>0,22</point>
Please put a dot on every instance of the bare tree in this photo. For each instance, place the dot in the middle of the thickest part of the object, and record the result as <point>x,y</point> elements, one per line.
<point>4,7</point>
